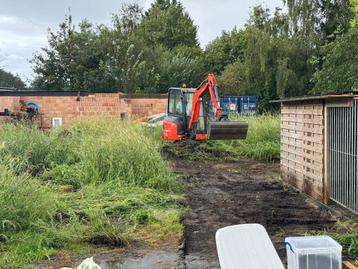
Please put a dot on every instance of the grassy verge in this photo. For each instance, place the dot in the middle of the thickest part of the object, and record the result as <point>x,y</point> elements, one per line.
<point>346,233</point>
<point>263,138</point>
<point>92,183</point>
<point>262,143</point>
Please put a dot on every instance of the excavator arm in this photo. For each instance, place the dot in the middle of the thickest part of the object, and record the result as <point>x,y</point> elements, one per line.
<point>222,128</point>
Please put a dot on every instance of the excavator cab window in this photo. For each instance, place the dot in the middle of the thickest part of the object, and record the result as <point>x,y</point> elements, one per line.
<point>175,105</point>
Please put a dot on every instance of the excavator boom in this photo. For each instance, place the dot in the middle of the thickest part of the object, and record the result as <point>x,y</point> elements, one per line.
<point>207,86</point>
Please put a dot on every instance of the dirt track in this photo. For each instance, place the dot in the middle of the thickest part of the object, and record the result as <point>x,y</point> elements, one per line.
<point>227,193</point>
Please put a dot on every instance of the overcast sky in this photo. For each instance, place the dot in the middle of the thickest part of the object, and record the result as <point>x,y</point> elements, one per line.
<point>24,23</point>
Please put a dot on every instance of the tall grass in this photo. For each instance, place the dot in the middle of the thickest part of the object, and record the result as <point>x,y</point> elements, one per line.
<point>16,212</point>
<point>263,138</point>
<point>95,182</point>
<point>262,143</point>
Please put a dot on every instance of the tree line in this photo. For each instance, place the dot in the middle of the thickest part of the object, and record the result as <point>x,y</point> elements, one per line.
<point>311,48</point>
<point>9,80</point>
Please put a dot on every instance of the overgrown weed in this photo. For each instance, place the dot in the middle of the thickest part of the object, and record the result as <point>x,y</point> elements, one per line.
<point>98,182</point>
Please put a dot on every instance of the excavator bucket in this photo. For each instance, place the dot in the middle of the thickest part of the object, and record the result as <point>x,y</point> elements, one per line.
<point>226,130</point>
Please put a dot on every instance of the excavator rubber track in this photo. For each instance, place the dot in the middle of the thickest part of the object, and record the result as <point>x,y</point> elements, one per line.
<point>226,130</point>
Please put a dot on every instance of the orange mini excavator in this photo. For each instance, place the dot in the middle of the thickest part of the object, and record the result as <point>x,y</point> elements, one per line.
<point>196,114</point>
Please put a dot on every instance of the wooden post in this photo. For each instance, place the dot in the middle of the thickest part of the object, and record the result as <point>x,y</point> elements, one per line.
<point>325,195</point>
<point>348,265</point>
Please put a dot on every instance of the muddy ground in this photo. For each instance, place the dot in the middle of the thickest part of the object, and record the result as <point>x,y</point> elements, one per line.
<point>227,193</point>
<point>219,193</point>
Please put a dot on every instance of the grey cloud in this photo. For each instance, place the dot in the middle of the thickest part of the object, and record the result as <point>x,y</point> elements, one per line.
<point>16,25</point>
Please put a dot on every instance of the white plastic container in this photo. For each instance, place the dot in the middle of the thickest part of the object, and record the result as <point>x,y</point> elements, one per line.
<point>313,252</point>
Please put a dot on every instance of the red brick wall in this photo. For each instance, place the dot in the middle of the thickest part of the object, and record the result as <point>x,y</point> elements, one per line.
<point>141,107</point>
<point>95,105</point>
<point>100,104</point>
<point>68,108</point>
<point>9,102</point>
<point>65,107</point>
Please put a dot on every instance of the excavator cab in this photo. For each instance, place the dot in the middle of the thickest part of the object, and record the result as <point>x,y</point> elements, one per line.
<point>179,111</point>
<point>189,115</point>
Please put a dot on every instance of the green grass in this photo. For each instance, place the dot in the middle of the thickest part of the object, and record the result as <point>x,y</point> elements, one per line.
<point>262,143</point>
<point>346,233</point>
<point>263,138</point>
<point>95,182</point>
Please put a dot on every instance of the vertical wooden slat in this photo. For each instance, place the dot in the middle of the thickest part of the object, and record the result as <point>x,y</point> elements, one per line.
<point>302,150</point>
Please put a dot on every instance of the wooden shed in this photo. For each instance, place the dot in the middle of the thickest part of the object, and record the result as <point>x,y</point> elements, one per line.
<point>319,147</point>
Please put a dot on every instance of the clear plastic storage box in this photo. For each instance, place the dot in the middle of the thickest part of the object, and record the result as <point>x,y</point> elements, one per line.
<point>313,252</point>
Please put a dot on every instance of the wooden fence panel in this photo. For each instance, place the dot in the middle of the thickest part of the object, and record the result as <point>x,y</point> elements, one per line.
<point>302,147</point>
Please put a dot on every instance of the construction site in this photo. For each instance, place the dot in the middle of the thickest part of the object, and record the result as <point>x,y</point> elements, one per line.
<point>203,153</point>
<point>169,134</point>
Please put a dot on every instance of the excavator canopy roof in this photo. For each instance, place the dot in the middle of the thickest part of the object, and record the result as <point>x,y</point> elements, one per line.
<point>183,89</point>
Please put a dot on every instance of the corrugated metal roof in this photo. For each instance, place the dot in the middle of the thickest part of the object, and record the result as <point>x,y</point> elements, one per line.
<point>316,97</point>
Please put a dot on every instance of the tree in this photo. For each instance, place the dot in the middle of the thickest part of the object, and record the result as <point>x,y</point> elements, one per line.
<point>62,65</point>
<point>340,68</point>
<point>271,64</point>
<point>9,80</point>
<point>233,79</point>
<point>317,20</point>
<point>128,18</point>
<point>275,55</point>
<point>225,50</point>
<point>166,23</point>
<point>177,69</point>
<point>333,15</point>
<point>354,8</point>
<point>91,59</point>
<point>121,57</point>
<point>260,18</point>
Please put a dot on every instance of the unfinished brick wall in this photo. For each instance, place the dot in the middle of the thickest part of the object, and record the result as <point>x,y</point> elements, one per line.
<point>100,104</point>
<point>94,105</point>
<point>65,107</point>
<point>302,145</point>
<point>9,102</point>
<point>71,107</point>
<point>141,107</point>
